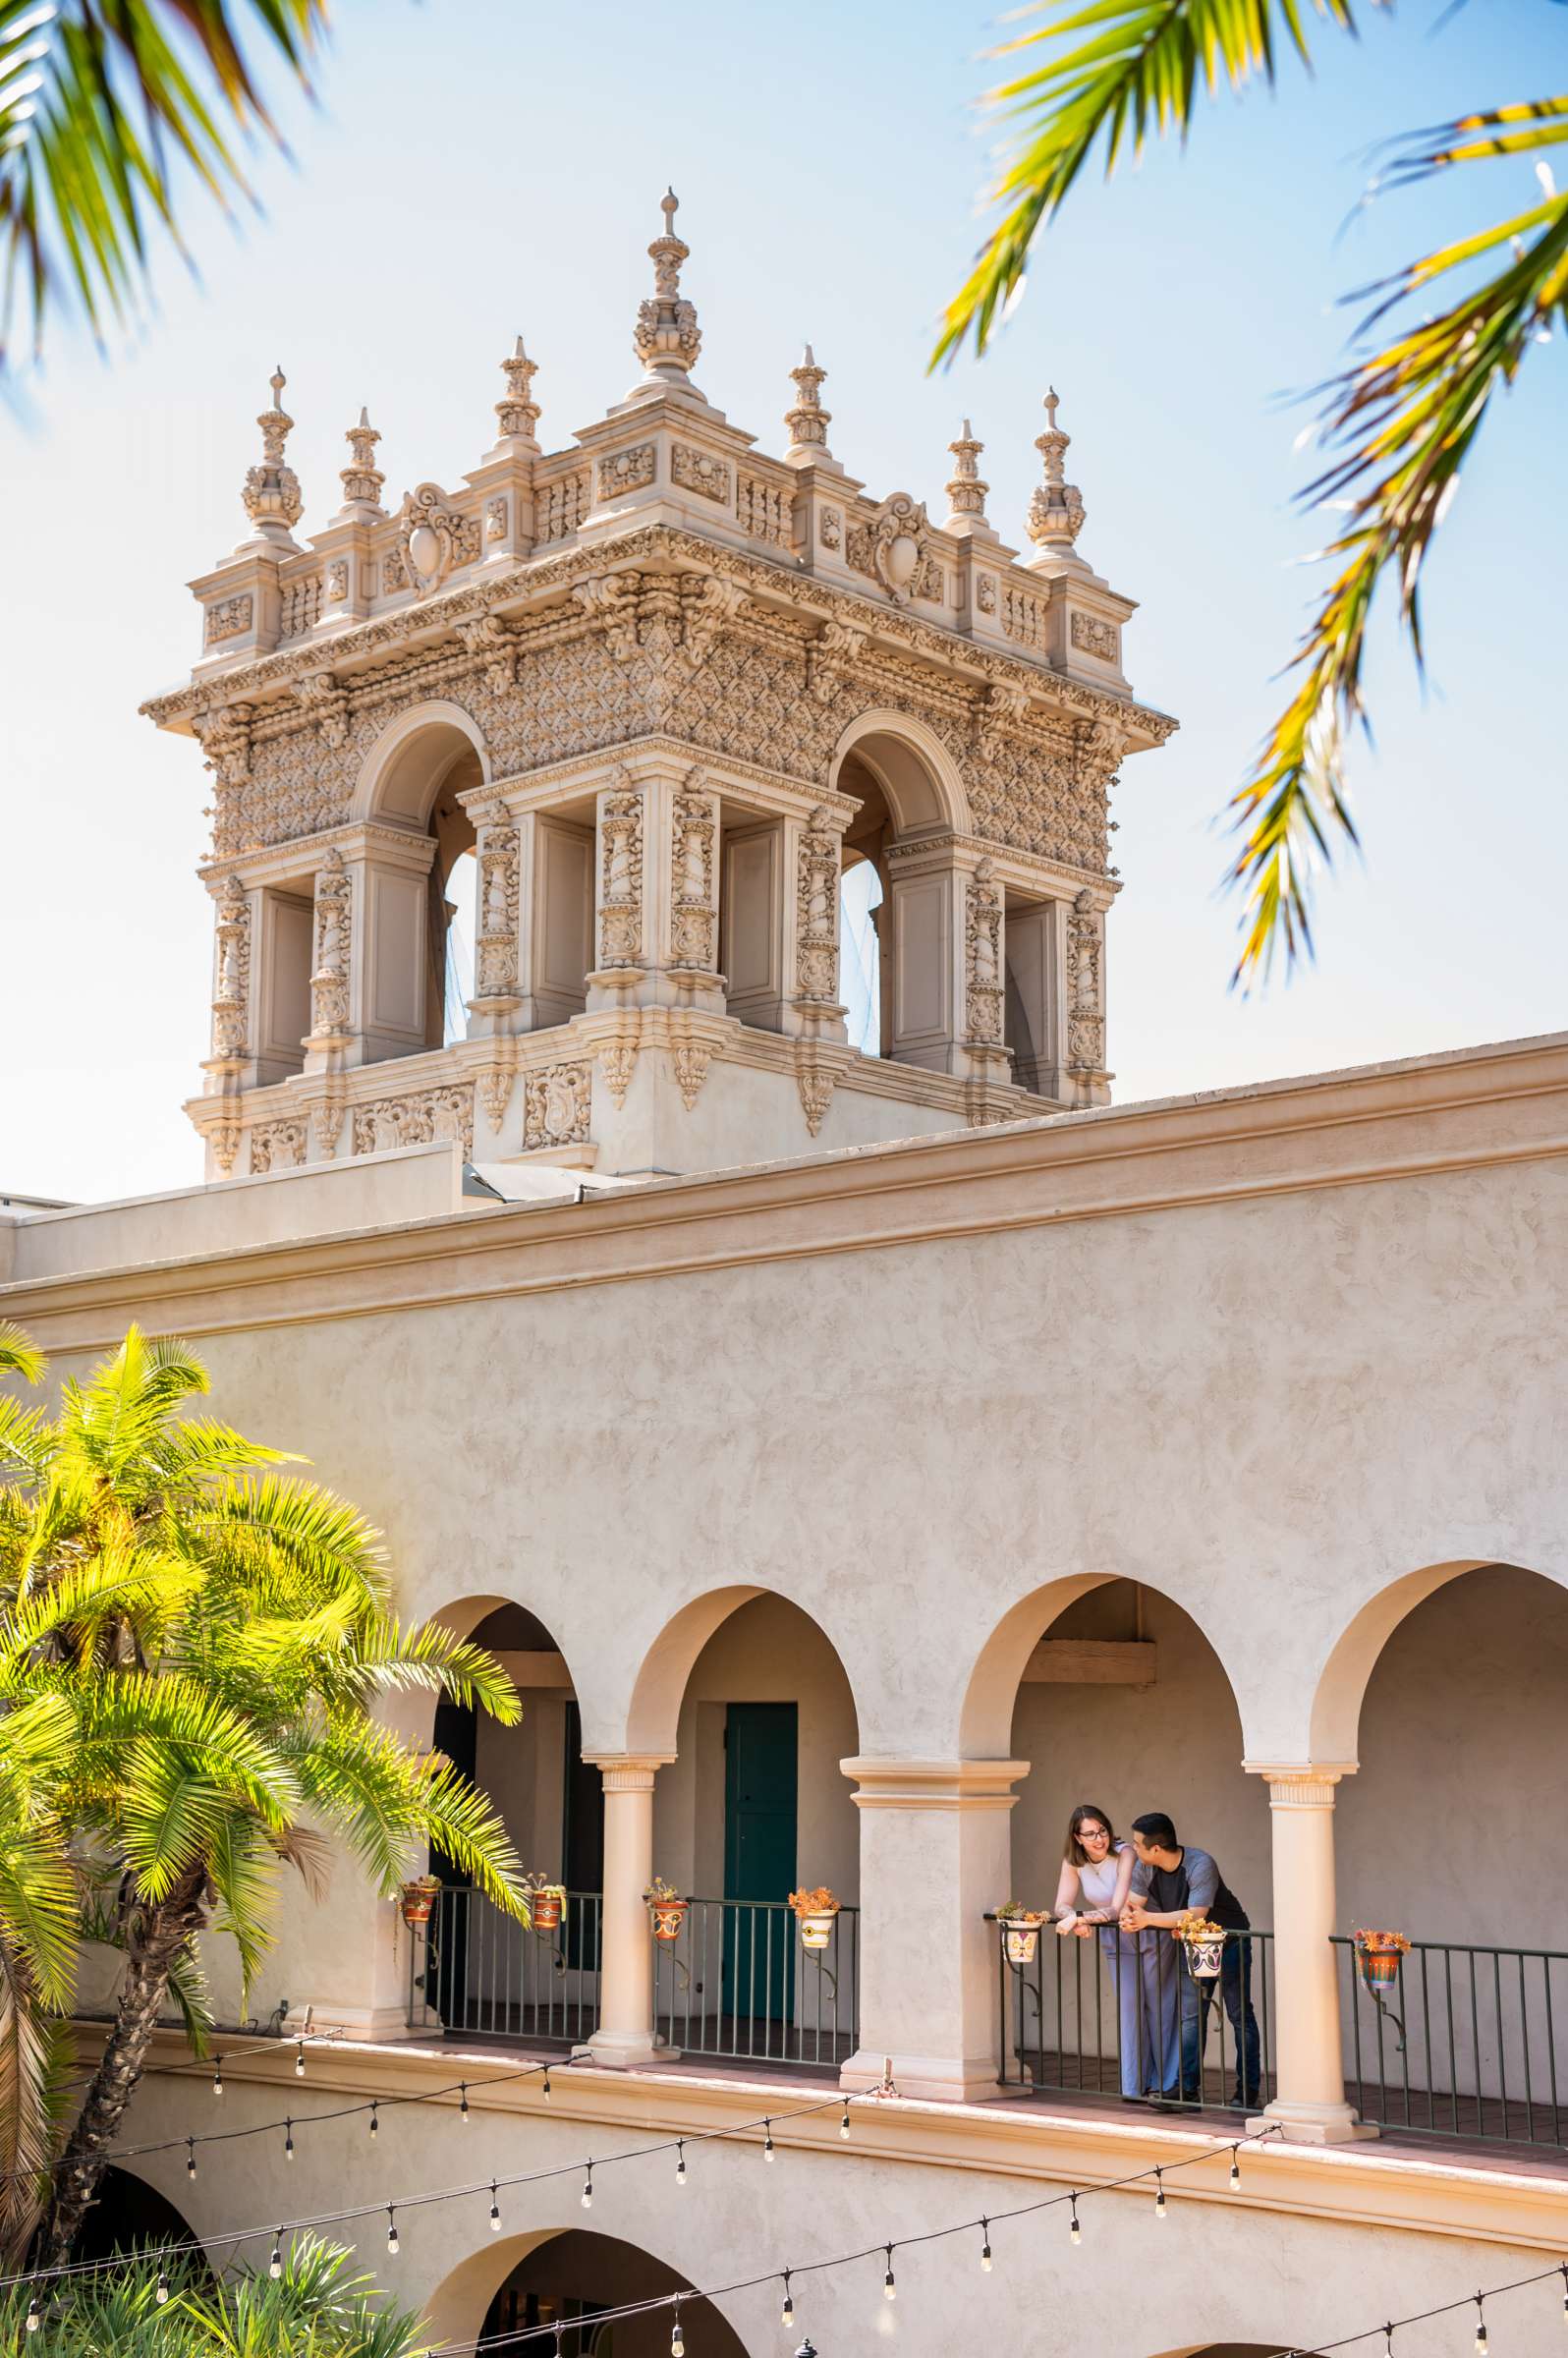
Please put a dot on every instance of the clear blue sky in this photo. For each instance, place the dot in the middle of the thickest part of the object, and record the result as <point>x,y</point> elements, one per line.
<point>479,168</point>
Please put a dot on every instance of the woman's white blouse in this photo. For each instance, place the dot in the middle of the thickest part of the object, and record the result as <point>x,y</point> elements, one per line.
<point>1097,1886</point>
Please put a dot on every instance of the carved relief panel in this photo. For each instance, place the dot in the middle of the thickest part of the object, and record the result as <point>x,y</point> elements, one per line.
<point>983,957</point>
<point>1085,987</point>
<point>333,949</point>
<point>231,988</point>
<point>556,1105</point>
<point>497,967</point>
<point>694,876</point>
<point>816,883</point>
<point>620,865</point>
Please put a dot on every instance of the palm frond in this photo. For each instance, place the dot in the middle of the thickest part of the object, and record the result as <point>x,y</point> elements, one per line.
<point>1400,425</point>
<point>18,1353</point>
<point>98,99</point>
<point>1115,73</point>
<point>34,2057</point>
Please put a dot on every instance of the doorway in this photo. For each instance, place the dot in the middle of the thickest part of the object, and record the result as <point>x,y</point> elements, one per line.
<point>760,1756</point>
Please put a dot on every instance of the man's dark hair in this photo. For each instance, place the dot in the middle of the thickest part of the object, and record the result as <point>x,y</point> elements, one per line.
<point>1156,1830</point>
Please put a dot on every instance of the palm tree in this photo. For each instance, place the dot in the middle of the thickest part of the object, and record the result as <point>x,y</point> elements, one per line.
<point>1397,425</point>
<point>98,99</point>
<point>137,2310</point>
<point>191,1648</point>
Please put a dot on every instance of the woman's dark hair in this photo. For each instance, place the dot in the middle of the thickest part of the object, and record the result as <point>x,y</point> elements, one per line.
<point>1074,1852</point>
<point>1156,1830</point>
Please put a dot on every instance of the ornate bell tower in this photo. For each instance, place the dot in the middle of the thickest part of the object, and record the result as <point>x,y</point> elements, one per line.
<point>651,695</point>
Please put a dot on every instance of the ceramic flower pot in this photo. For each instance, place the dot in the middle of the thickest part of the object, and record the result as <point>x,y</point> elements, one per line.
<point>419,1897</point>
<point>1378,1965</point>
<point>1019,1941</point>
<point>817,1928</point>
<point>1205,1959</point>
<point>668,1916</point>
<point>545,1910</point>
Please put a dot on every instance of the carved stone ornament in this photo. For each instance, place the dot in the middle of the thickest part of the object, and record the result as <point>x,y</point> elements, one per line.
<point>326,1120</point>
<point>495,1088</point>
<point>888,548</point>
<point>983,957</point>
<point>1101,747</point>
<point>816,883</point>
<point>816,1084</point>
<point>1085,1022</point>
<point>417,1120</point>
<point>498,912</point>
<point>556,1105</point>
<point>433,539</point>
<point>328,706</point>
<point>830,529</point>
<point>670,620</point>
<point>627,471</point>
<point>495,519</point>
<point>1056,507</point>
<point>621,880</point>
<point>694,915</point>
<point>1092,636</point>
<point>334,945</point>
<point>986,592</point>
<point>224,1139</point>
<point>337,580</point>
<point>271,493</point>
<point>666,337</point>
<point>1001,704</point>
<point>696,471</point>
<point>489,636</point>
<point>1023,617</point>
<point>829,658</point>
<point>277,1146</point>
<point>225,739</point>
<point>618,1063</point>
<point>229,618</point>
<point>690,1059</point>
<point>230,993</point>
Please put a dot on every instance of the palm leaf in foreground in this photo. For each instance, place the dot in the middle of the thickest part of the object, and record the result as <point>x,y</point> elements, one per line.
<point>1117,71</point>
<point>97,97</point>
<point>1402,423</point>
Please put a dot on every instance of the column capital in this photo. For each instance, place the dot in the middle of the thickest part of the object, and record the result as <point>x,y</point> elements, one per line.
<point>1300,1784</point>
<point>924,1784</point>
<point>629,1772</point>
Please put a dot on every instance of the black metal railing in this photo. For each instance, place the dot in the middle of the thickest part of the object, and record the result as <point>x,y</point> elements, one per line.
<point>1462,2042</point>
<point>738,1981</point>
<point>479,1970</point>
<point>1121,2014</point>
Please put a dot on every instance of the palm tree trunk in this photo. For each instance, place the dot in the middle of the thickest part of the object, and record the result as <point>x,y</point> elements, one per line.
<point>157,1937</point>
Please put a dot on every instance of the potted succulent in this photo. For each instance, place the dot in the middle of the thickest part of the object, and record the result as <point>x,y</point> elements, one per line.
<point>418,1898</point>
<point>545,1902</point>
<point>1021,1930</point>
<point>1205,1943</point>
<point>666,1909</point>
<point>1378,1955</point>
<point>814,1911</point>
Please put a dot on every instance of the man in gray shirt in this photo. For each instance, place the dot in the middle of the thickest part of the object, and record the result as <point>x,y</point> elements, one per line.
<point>1170,1883</point>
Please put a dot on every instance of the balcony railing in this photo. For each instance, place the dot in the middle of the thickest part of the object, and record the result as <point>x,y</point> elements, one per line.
<point>1463,2042</point>
<point>480,1972</point>
<point>738,1983</point>
<point>1122,2015</point>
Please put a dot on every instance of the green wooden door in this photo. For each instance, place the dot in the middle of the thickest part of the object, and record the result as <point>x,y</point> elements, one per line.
<point>760,1790</point>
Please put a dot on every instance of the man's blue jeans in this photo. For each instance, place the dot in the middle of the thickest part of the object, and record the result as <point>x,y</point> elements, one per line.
<point>1236,1995</point>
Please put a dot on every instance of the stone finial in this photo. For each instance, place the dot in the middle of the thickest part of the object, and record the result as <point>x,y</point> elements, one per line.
<point>806,420</point>
<point>516,411</point>
<point>272,494</point>
<point>1056,508</point>
<point>362,479</point>
<point>666,338</point>
<point>966,493</point>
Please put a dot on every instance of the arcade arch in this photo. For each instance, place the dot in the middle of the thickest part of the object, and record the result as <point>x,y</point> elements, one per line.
<point>566,2279</point>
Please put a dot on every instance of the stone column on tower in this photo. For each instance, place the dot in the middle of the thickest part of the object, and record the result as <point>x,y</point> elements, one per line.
<point>241,599</point>
<point>982,557</point>
<point>348,567</point>
<point>824,496</point>
<point>504,476</point>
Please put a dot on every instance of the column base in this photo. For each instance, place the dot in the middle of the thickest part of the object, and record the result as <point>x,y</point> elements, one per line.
<point>624,2051</point>
<point>1314,2124</point>
<point>376,2025</point>
<point>931,2079</point>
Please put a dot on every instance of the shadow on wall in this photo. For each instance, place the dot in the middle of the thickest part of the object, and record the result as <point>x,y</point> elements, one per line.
<point>575,2275</point>
<point>129,2212</point>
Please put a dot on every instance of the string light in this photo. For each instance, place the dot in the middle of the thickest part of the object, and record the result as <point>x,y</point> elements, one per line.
<point>677,2346</point>
<point>843,2126</point>
<point>463,2109</point>
<point>768,2141</point>
<point>680,2161</point>
<point>889,2288</point>
<point>1159,2193</point>
<point>392,2231</point>
<point>805,2351</point>
<point>189,2159</point>
<point>787,2315</point>
<point>298,2061</point>
<point>587,2188</point>
<point>161,2290</point>
<point>495,2210</point>
<point>1388,2341</point>
<point>546,2086</point>
<point>1480,2328</point>
<point>985,2247</point>
<point>275,2263</point>
<point>217,2075</point>
<point>1075,2234</point>
<point>375,2120</point>
<point>288,2141</point>
<point>1235,2165</point>
<point>1565,2294</point>
<point>35,2321</point>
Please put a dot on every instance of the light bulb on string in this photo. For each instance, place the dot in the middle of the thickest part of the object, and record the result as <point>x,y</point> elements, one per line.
<point>768,2141</point>
<point>587,2188</point>
<point>35,2321</point>
<point>392,2244</point>
<point>1481,2344</point>
<point>189,2157</point>
<point>495,2210</point>
<point>298,2061</point>
<point>288,2141</point>
<point>275,2263</point>
<point>161,2290</point>
<point>464,2114</point>
<point>680,2161</point>
<point>1075,2234</point>
<point>787,2314</point>
<point>986,2245</point>
<point>808,2349</point>
<point>843,2126</point>
<point>889,2288</point>
<point>546,2087</point>
<point>677,2344</point>
<point>375,2118</point>
<point>1159,2193</point>
<point>1388,2341</point>
<point>217,2075</point>
<point>1565,2294</point>
<point>1235,2165</point>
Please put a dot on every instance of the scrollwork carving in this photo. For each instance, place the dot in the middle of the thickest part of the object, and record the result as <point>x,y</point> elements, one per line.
<point>1085,1022</point>
<point>557,1105</point>
<point>334,948</point>
<point>621,879</point>
<point>419,1119</point>
<point>816,882</point>
<point>983,957</point>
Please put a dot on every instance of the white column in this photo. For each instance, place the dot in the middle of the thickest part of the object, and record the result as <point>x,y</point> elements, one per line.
<point>935,1857</point>
<point>1308,2064</point>
<point>625,2036</point>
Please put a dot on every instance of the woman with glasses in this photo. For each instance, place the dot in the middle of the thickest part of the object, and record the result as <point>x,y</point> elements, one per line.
<point>1091,1894</point>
